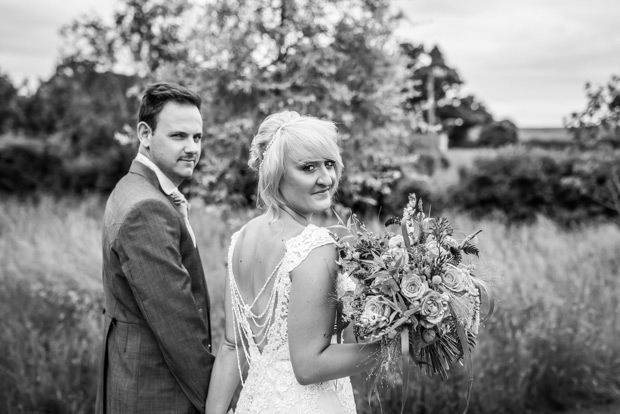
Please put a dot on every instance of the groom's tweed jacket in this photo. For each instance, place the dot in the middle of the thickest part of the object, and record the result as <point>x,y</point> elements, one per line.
<point>157,335</point>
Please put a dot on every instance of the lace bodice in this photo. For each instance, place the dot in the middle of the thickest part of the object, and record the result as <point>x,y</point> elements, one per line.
<point>271,386</point>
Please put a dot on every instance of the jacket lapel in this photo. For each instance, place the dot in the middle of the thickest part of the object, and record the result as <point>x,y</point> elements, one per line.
<point>142,170</point>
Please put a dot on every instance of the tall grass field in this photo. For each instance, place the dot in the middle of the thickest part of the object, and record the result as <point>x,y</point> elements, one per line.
<point>552,344</point>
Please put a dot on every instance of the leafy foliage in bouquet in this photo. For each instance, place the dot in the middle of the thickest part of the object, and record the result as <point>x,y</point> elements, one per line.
<point>413,287</point>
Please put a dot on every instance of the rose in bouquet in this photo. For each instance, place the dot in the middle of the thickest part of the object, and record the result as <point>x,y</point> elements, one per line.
<point>411,290</point>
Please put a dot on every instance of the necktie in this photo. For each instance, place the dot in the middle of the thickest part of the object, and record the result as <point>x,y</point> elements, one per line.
<point>183,206</point>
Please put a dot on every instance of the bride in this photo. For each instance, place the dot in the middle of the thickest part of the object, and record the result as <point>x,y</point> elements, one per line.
<point>281,284</point>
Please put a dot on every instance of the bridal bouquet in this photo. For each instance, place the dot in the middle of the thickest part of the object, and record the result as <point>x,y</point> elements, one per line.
<point>411,290</point>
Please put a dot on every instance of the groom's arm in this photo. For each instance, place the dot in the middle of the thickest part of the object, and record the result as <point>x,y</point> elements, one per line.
<point>162,288</point>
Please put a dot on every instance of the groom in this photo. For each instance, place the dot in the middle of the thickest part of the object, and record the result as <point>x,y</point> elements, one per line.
<point>157,335</point>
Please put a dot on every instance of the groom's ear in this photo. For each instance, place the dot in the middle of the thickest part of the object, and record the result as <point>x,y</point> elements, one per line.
<point>144,134</point>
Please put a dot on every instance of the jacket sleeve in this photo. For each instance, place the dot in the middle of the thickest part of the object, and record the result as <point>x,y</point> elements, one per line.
<point>151,259</point>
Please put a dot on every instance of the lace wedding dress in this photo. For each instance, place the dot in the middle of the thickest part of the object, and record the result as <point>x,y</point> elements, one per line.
<point>271,386</point>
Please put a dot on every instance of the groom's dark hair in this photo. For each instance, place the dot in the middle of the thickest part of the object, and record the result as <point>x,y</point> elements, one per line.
<point>158,94</point>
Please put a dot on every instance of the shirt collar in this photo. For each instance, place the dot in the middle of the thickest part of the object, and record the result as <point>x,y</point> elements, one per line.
<point>165,183</point>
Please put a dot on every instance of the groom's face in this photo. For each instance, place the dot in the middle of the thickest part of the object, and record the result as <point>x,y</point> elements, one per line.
<point>175,144</point>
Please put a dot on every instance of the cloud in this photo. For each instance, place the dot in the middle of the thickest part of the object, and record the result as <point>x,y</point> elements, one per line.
<point>526,60</point>
<point>29,33</point>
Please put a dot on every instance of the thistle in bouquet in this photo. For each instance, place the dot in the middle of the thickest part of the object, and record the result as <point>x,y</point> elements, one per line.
<point>411,290</point>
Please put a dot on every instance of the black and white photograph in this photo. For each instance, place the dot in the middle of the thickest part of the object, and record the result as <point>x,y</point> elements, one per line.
<point>309,207</point>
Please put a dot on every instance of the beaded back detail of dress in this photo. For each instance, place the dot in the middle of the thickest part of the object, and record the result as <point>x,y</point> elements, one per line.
<point>271,386</point>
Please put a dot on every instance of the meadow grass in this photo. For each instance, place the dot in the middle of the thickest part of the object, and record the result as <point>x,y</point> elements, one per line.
<point>49,305</point>
<point>551,344</point>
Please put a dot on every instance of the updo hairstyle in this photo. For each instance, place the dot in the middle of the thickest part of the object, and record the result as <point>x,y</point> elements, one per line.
<point>287,137</point>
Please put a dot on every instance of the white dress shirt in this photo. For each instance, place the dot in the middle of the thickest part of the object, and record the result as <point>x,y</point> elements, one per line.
<point>167,186</point>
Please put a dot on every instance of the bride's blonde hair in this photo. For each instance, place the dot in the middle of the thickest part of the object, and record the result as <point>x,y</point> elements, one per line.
<point>289,137</point>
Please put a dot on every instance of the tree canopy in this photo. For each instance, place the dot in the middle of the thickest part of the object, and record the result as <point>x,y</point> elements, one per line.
<point>434,90</point>
<point>334,59</point>
<point>599,122</point>
<point>250,58</point>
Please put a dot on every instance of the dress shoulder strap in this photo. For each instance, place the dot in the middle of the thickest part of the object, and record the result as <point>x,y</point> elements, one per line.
<point>298,248</point>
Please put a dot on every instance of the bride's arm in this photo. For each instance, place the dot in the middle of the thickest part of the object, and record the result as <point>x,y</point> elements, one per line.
<point>225,377</point>
<point>312,311</point>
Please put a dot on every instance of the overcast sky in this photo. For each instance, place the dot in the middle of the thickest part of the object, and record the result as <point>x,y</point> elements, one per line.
<point>526,60</point>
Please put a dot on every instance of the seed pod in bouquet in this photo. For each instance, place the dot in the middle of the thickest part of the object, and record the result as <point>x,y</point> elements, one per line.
<point>428,335</point>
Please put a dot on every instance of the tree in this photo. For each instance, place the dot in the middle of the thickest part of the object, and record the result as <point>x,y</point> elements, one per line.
<point>83,106</point>
<point>599,122</point>
<point>8,102</point>
<point>329,59</point>
<point>498,134</point>
<point>76,116</point>
<point>250,58</point>
<point>434,88</point>
<point>142,35</point>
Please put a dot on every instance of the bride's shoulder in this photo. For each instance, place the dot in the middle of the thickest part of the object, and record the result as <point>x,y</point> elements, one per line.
<point>311,238</point>
<point>314,247</point>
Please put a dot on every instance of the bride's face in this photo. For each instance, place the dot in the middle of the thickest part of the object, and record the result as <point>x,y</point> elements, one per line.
<point>307,187</point>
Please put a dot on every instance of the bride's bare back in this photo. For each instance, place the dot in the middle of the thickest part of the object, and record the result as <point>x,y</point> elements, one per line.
<point>256,258</point>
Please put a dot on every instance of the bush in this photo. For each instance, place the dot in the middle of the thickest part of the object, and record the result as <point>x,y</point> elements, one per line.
<point>498,134</point>
<point>520,183</point>
<point>99,174</point>
<point>382,188</point>
<point>596,175</point>
<point>382,194</point>
<point>27,167</point>
<point>397,199</point>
